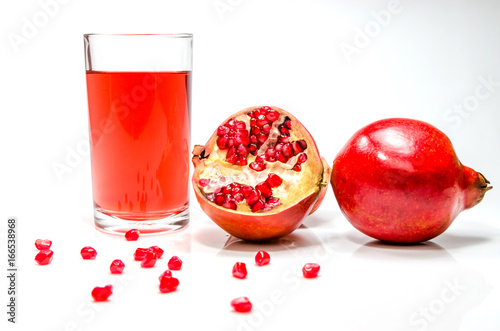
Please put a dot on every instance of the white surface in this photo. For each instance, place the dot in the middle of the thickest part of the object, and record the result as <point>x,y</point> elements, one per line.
<point>429,58</point>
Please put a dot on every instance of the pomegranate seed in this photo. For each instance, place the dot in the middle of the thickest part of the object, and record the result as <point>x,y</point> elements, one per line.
<point>140,253</point>
<point>302,158</point>
<point>284,139</point>
<point>264,109</point>
<point>222,130</point>
<point>266,128</point>
<point>262,258</point>
<point>242,150</point>
<point>288,124</point>
<point>219,199</point>
<point>273,180</point>
<point>42,244</point>
<point>310,270</point>
<point>167,273</point>
<point>240,125</point>
<point>297,147</point>
<point>230,205</point>
<point>287,150</point>
<point>238,197</point>
<point>44,257</point>
<point>246,190</point>
<point>235,191</point>
<point>262,120</point>
<point>168,284</point>
<point>149,259</point>
<point>297,167</point>
<point>261,138</point>
<point>270,152</point>
<point>241,161</point>
<point>88,253</point>
<point>252,197</point>
<point>273,200</point>
<point>258,206</point>
<point>251,114</point>
<point>232,159</point>
<point>222,142</point>
<point>132,235</point>
<point>253,148</point>
<point>240,270</point>
<point>264,189</point>
<point>117,267</point>
<point>204,182</point>
<point>175,263</point>
<point>257,166</point>
<point>284,130</point>
<point>272,115</point>
<point>241,305</point>
<point>255,130</point>
<point>158,251</point>
<point>281,157</point>
<point>102,293</point>
<point>226,189</point>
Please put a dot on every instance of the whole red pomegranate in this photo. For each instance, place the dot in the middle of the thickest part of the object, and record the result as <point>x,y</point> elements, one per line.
<point>260,174</point>
<point>399,180</point>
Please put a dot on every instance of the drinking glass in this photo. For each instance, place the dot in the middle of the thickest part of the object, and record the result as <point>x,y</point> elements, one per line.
<point>139,89</point>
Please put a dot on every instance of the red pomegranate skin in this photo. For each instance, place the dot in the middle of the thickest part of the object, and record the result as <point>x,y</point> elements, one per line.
<point>399,180</point>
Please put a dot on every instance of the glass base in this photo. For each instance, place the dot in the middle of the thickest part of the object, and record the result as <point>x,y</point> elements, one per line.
<point>153,224</point>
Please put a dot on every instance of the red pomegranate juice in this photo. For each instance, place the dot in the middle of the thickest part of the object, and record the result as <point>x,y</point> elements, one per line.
<point>140,139</point>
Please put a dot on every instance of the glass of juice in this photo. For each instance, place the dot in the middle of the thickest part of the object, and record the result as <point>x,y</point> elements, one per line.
<point>139,89</point>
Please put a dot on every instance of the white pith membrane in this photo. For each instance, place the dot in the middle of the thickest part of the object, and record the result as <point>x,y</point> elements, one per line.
<point>296,185</point>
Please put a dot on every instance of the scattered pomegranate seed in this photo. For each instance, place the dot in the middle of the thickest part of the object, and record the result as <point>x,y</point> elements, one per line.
<point>166,273</point>
<point>117,267</point>
<point>310,270</point>
<point>168,284</point>
<point>262,258</point>
<point>175,263</point>
<point>149,259</point>
<point>102,293</point>
<point>42,244</point>
<point>88,253</point>
<point>158,251</point>
<point>132,235</point>
<point>44,257</point>
<point>140,253</point>
<point>241,305</point>
<point>240,270</point>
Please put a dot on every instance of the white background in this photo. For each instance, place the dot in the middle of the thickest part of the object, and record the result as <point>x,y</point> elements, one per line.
<point>426,60</point>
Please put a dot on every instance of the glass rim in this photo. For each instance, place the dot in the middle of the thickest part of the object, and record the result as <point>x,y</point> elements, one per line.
<point>167,35</point>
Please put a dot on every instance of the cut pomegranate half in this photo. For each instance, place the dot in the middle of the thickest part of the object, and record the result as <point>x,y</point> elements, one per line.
<point>260,174</point>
